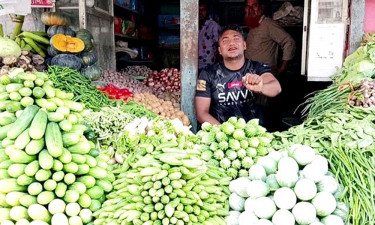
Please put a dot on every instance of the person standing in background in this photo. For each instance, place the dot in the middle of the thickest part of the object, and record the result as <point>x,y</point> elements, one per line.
<point>263,41</point>
<point>208,37</point>
<point>265,37</point>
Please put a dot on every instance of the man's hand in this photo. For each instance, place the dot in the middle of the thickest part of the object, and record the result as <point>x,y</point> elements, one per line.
<point>253,82</point>
<point>282,67</point>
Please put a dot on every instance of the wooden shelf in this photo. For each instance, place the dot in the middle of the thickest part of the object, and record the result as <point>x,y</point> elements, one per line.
<point>169,48</point>
<point>126,8</point>
<point>126,36</point>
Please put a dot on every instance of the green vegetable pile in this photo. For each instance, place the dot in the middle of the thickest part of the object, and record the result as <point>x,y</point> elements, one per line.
<point>287,187</point>
<point>357,67</point>
<point>49,172</point>
<point>165,182</point>
<point>72,81</point>
<point>346,139</point>
<point>109,124</point>
<point>234,145</point>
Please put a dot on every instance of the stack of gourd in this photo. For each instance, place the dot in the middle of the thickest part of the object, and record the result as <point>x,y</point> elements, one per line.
<point>71,49</point>
<point>50,173</point>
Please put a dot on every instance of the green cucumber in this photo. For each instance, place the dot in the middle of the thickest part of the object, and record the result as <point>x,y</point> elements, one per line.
<point>95,192</point>
<point>26,76</point>
<point>71,167</point>
<point>23,139</point>
<point>83,169</point>
<point>7,120</point>
<point>60,190</point>
<point>27,101</point>
<point>13,87</point>
<point>82,147</point>
<point>16,170</point>
<point>35,146</point>
<point>57,165</point>
<point>25,92</point>
<point>43,175</point>
<point>13,106</point>
<point>45,160</point>
<point>38,92</point>
<point>98,172</point>
<point>4,131</point>
<point>4,96</point>
<point>65,125</point>
<point>54,140</point>
<point>55,117</point>
<point>88,181</point>
<point>38,125</point>
<point>24,180</point>
<point>22,122</point>
<point>19,156</point>
<point>50,91</point>
<point>32,168</point>
<point>15,96</point>
<point>66,156</point>
<point>78,158</point>
<point>70,139</point>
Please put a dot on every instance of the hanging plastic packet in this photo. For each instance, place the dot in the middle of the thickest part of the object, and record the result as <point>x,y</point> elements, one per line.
<point>21,7</point>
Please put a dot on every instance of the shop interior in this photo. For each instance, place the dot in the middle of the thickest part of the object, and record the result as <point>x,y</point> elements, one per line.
<point>150,32</point>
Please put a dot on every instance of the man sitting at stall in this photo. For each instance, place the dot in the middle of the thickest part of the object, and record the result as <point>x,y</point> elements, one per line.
<point>231,87</point>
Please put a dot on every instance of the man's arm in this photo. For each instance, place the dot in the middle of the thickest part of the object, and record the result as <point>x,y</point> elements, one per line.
<point>265,84</point>
<point>287,43</point>
<point>202,108</point>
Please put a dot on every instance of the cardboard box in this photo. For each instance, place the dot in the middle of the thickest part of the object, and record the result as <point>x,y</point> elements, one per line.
<point>169,41</point>
<point>169,21</point>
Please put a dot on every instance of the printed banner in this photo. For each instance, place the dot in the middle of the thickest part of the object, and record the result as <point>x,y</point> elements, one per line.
<point>41,3</point>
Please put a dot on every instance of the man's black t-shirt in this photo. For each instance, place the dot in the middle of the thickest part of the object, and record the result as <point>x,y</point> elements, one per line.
<point>228,96</point>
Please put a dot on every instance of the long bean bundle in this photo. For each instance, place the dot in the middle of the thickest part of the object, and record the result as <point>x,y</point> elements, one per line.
<point>72,81</point>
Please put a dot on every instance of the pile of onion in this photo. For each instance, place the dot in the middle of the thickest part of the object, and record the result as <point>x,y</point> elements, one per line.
<point>166,80</point>
<point>121,80</point>
<point>365,96</point>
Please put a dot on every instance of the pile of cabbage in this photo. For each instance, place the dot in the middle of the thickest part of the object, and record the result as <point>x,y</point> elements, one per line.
<point>287,188</point>
<point>234,145</point>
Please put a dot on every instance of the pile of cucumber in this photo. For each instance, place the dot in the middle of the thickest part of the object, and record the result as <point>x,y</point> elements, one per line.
<point>49,172</point>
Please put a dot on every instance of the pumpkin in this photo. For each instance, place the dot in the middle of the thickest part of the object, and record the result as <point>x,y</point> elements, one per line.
<point>55,29</point>
<point>67,60</point>
<point>52,51</point>
<point>54,18</point>
<point>92,72</point>
<point>65,43</point>
<point>89,58</point>
<point>87,38</point>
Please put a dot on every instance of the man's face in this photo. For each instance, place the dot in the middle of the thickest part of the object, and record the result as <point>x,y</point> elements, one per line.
<point>253,13</point>
<point>232,45</point>
<point>202,12</point>
<point>253,8</point>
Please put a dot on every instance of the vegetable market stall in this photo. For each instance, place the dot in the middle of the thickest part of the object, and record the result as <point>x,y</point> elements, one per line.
<point>71,154</point>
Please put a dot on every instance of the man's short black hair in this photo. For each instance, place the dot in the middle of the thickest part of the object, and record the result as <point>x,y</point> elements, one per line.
<point>203,2</point>
<point>232,26</point>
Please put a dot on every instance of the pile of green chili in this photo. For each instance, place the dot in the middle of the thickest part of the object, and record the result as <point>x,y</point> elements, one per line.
<point>347,139</point>
<point>72,81</point>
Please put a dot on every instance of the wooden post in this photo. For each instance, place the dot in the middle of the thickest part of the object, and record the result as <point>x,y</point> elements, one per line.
<point>189,57</point>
